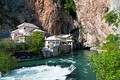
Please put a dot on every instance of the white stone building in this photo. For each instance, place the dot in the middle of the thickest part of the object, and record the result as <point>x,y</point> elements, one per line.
<point>24,30</point>
<point>58,44</point>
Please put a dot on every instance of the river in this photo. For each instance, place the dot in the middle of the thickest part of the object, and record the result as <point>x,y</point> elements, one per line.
<point>73,66</point>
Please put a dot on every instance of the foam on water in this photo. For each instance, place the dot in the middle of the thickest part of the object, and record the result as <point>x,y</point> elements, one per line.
<point>68,61</point>
<point>39,73</point>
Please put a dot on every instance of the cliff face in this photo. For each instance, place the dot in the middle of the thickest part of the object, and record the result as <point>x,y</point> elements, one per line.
<point>91,15</point>
<point>46,14</point>
<point>52,17</point>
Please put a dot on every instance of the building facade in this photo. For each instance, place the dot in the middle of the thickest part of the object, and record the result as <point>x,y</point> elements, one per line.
<point>24,30</point>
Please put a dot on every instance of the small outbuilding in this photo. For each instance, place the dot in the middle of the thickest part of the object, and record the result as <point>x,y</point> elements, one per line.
<point>58,44</point>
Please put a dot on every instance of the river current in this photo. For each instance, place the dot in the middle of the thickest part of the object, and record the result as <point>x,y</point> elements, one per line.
<point>73,66</point>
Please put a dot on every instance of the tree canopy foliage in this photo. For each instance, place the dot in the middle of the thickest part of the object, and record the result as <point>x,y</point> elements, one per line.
<point>35,42</point>
<point>113,18</point>
<point>7,45</point>
<point>69,7</point>
<point>107,64</point>
<point>7,62</point>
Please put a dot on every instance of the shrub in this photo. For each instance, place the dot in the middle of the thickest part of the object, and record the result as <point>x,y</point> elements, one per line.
<point>111,17</point>
<point>7,45</point>
<point>68,6</point>
<point>35,42</point>
<point>7,62</point>
<point>107,64</point>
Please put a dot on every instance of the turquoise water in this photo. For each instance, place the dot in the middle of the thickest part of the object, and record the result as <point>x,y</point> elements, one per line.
<point>73,66</point>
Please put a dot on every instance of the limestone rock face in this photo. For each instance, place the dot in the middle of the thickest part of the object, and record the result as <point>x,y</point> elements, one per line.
<point>91,15</point>
<point>46,14</point>
<point>52,17</point>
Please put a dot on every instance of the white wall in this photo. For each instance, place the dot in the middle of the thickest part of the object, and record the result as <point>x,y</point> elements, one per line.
<point>12,36</point>
<point>21,31</point>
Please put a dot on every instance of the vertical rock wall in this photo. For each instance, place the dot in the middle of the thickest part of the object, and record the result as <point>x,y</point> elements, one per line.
<point>52,17</point>
<point>91,15</point>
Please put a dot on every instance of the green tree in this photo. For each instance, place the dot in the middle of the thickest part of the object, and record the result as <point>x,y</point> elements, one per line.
<point>111,17</point>
<point>68,6</point>
<point>35,42</point>
<point>107,64</point>
<point>7,45</point>
<point>7,62</point>
<point>112,43</point>
<point>113,38</point>
<point>21,46</point>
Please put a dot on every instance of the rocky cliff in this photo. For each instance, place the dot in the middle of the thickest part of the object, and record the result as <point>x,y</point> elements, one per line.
<point>46,14</point>
<point>50,16</point>
<point>91,14</point>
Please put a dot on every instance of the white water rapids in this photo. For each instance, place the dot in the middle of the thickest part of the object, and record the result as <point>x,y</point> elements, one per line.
<point>39,73</point>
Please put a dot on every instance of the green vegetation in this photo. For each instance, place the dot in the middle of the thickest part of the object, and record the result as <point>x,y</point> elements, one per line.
<point>112,43</point>
<point>7,62</point>
<point>35,42</point>
<point>7,45</point>
<point>68,6</point>
<point>21,46</point>
<point>107,64</point>
<point>113,18</point>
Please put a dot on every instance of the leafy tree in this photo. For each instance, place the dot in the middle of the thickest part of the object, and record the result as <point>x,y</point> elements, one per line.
<point>7,45</point>
<point>35,42</point>
<point>111,17</point>
<point>107,64</point>
<point>7,62</point>
<point>112,43</point>
<point>21,46</point>
<point>68,6</point>
<point>113,38</point>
